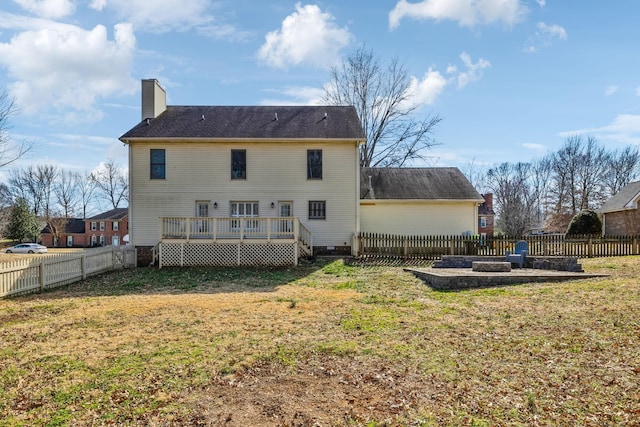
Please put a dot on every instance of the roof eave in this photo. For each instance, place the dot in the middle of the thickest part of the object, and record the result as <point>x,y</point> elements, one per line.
<point>124,140</point>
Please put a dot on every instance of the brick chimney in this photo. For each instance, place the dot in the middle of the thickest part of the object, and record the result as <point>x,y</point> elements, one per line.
<point>154,99</point>
<point>488,201</point>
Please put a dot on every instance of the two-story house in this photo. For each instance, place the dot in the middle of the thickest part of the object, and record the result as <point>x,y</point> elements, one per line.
<point>107,228</point>
<point>242,184</point>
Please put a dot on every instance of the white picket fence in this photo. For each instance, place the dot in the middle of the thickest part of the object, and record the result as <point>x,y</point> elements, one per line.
<point>35,274</point>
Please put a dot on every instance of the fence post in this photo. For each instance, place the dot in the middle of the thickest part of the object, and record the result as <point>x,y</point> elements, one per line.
<point>41,274</point>
<point>83,266</point>
<point>590,247</point>
<point>451,246</point>
<point>406,248</point>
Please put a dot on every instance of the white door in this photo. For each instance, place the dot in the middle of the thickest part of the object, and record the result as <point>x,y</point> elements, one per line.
<point>286,211</point>
<point>115,240</point>
<point>202,211</point>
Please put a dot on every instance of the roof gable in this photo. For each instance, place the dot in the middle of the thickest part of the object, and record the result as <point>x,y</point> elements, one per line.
<point>626,198</point>
<point>250,122</point>
<point>416,183</point>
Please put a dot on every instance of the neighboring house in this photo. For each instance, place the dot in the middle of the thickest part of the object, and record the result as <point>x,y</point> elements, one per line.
<point>107,228</point>
<point>243,184</point>
<point>486,216</point>
<point>621,213</point>
<point>418,201</point>
<point>72,236</point>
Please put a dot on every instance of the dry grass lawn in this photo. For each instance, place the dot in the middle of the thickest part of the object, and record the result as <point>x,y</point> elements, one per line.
<point>322,344</point>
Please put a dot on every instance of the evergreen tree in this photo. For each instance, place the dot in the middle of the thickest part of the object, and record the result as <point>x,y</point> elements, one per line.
<point>23,223</point>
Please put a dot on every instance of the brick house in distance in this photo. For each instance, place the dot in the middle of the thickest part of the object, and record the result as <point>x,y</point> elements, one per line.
<point>486,216</point>
<point>106,228</point>
<point>621,213</point>
<point>73,236</point>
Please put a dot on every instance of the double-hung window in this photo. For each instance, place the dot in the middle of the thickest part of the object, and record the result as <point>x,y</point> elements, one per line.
<point>115,226</point>
<point>238,164</point>
<point>314,164</point>
<point>93,226</point>
<point>317,209</point>
<point>158,165</point>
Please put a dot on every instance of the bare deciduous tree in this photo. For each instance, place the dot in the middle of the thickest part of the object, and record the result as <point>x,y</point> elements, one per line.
<point>57,225</point>
<point>513,196</point>
<point>622,167</point>
<point>67,192</point>
<point>111,183</point>
<point>86,190</point>
<point>9,152</point>
<point>34,184</point>
<point>382,97</point>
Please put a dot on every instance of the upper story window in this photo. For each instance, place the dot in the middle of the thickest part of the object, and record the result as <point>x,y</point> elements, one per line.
<point>115,226</point>
<point>158,164</point>
<point>93,226</point>
<point>101,226</point>
<point>314,164</point>
<point>238,164</point>
<point>484,222</point>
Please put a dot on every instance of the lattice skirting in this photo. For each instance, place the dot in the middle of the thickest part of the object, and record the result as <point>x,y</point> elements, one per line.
<point>227,254</point>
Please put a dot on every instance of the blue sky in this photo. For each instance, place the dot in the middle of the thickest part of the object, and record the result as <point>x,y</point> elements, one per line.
<point>511,79</point>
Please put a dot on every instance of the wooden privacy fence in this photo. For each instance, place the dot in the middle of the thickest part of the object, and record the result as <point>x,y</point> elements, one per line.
<point>433,247</point>
<point>35,274</point>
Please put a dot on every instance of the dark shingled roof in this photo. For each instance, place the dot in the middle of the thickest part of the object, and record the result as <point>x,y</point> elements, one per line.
<point>623,197</point>
<point>416,183</point>
<point>113,214</point>
<point>254,122</point>
<point>73,226</point>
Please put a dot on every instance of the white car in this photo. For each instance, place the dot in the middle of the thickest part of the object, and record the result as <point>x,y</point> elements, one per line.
<point>27,248</point>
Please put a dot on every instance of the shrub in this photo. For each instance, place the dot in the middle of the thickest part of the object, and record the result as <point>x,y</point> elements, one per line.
<point>585,222</point>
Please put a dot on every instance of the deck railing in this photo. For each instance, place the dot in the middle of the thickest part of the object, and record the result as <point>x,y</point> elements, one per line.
<point>232,228</point>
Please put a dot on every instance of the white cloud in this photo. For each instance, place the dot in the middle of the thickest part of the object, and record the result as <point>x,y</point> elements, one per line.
<point>297,95</point>
<point>223,31</point>
<point>625,129</point>
<point>307,36</point>
<point>159,15</point>
<point>98,4</point>
<point>60,67</point>
<point>467,13</point>
<point>535,147</point>
<point>545,35</point>
<point>541,3</point>
<point>427,90</point>
<point>472,73</point>
<point>48,8</point>
<point>610,90</point>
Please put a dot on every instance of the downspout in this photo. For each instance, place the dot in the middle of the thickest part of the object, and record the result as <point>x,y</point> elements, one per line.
<point>355,240</point>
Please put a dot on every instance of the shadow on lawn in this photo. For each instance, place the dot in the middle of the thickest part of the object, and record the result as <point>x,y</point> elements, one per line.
<point>183,280</point>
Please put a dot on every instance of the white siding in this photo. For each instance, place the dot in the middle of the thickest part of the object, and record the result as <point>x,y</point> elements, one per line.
<point>275,171</point>
<point>418,218</point>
